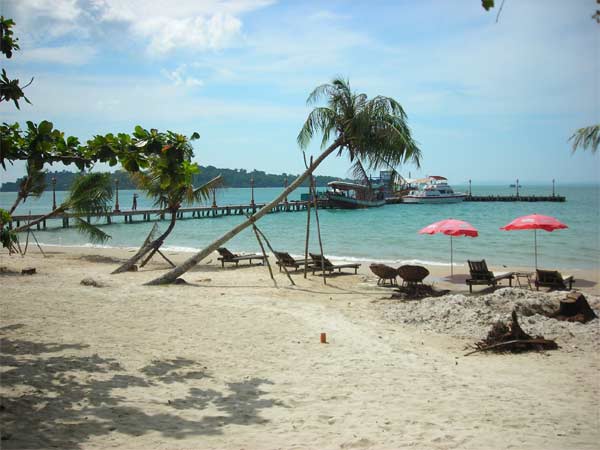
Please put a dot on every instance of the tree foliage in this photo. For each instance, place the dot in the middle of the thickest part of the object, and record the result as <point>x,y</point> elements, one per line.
<point>587,138</point>
<point>10,89</point>
<point>374,131</point>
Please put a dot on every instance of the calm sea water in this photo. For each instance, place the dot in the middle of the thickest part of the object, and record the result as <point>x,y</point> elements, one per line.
<point>386,234</point>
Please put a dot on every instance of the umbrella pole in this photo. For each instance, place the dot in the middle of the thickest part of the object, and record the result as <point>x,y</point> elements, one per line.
<point>535,246</point>
<point>451,262</point>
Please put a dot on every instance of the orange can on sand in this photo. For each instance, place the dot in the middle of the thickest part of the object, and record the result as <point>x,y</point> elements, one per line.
<point>323,338</point>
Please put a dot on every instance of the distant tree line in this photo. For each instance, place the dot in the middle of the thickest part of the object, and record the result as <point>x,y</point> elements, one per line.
<point>234,178</point>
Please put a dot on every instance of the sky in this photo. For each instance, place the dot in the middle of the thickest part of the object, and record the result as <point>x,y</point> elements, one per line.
<point>488,101</point>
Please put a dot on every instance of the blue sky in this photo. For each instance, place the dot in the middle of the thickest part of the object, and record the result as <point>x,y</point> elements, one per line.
<point>486,101</point>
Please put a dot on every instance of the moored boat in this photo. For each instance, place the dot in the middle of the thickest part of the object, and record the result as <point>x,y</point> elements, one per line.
<point>433,189</point>
<point>353,196</point>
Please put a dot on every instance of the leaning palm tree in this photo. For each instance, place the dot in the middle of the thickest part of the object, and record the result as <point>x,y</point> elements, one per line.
<point>587,138</point>
<point>169,181</point>
<point>374,131</point>
<point>90,194</point>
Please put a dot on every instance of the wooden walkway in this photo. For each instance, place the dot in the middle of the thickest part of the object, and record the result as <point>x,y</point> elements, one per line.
<point>199,212</point>
<point>146,215</point>
<point>515,198</point>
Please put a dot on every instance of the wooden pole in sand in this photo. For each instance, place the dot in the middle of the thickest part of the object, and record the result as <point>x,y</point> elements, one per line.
<point>264,254</point>
<point>273,251</point>
<point>307,223</point>
<point>307,233</point>
<point>314,195</point>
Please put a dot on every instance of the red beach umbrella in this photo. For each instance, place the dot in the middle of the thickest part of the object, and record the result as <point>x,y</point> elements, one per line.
<point>451,227</point>
<point>535,222</point>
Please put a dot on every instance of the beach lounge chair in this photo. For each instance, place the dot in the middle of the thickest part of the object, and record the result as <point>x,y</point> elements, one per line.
<point>553,279</point>
<point>227,256</point>
<point>480,274</point>
<point>412,275</point>
<point>319,261</point>
<point>285,259</point>
<point>384,273</point>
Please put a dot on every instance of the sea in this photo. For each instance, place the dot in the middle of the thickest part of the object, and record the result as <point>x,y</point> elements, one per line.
<point>388,234</point>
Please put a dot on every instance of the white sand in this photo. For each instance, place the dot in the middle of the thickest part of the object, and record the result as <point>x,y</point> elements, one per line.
<point>232,362</point>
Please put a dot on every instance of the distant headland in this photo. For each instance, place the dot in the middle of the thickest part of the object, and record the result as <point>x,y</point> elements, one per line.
<point>234,178</point>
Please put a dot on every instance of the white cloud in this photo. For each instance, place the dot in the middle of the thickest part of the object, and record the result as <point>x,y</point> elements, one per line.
<point>180,78</point>
<point>206,25</point>
<point>161,27</point>
<point>69,54</point>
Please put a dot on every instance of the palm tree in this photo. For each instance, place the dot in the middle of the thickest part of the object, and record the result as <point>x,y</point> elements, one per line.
<point>90,194</point>
<point>169,181</point>
<point>587,138</point>
<point>374,131</point>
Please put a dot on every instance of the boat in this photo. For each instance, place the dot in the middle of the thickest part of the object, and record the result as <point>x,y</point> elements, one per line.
<point>432,189</point>
<point>354,196</point>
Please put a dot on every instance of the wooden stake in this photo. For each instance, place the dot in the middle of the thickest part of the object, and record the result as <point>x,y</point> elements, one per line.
<point>273,251</point>
<point>307,234</point>
<point>264,253</point>
<point>314,195</point>
<point>165,258</point>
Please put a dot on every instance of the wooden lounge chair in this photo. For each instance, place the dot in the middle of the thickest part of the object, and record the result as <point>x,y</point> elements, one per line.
<point>553,279</point>
<point>412,275</point>
<point>480,274</point>
<point>227,256</point>
<point>384,273</point>
<point>319,261</point>
<point>285,259</point>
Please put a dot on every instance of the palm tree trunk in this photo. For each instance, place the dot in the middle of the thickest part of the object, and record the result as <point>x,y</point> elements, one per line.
<point>152,246</point>
<point>25,227</point>
<point>16,203</point>
<point>175,273</point>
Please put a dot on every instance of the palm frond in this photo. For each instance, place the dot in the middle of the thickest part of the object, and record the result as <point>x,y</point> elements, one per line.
<point>587,138</point>
<point>374,132</point>
<point>204,192</point>
<point>319,120</point>
<point>90,193</point>
<point>94,234</point>
<point>359,173</point>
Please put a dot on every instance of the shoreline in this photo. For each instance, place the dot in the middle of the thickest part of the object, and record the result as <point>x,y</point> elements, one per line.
<point>439,271</point>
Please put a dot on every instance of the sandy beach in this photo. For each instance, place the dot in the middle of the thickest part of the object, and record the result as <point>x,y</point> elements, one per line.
<point>230,361</point>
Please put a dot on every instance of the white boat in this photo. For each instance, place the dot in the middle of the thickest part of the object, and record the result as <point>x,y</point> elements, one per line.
<point>433,189</point>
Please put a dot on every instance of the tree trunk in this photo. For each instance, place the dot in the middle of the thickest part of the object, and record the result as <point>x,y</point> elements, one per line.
<point>152,246</point>
<point>16,203</point>
<point>25,227</point>
<point>172,275</point>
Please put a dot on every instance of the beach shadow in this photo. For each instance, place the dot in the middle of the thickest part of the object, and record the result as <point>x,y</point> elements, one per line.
<point>62,401</point>
<point>101,259</point>
<point>170,370</point>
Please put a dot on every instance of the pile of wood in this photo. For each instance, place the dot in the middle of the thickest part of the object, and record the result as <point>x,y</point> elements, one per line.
<point>416,292</point>
<point>574,308</point>
<point>511,338</point>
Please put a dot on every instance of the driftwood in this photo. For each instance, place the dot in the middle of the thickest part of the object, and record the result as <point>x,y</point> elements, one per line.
<point>512,338</point>
<point>574,308</point>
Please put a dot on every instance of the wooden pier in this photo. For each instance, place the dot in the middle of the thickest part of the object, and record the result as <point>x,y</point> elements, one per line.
<point>515,198</point>
<point>147,215</point>
<point>199,212</point>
